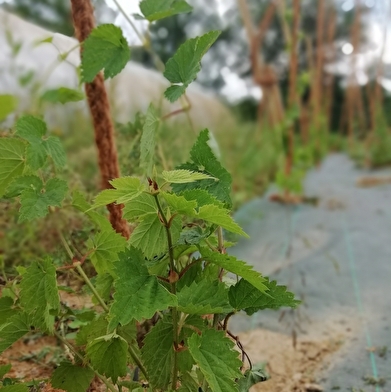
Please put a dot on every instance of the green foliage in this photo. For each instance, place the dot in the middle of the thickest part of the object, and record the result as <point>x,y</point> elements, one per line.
<point>138,294</point>
<point>12,161</point>
<point>204,161</point>
<point>157,9</point>
<point>158,353</point>
<point>244,296</point>
<point>112,347</point>
<point>218,362</point>
<point>164,288</point>
<point>8,104</point>
<point>62,95</point>
<point>183,67</point>
<point>72,378</point>
<point>39,294</point>
<point>148,140</point>
<point>105,48</point>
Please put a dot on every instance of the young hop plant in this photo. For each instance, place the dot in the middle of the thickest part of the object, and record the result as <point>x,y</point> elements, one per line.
<point>172,271</point>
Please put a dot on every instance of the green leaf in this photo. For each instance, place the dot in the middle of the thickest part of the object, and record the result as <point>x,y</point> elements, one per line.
<point>124,190</point>
<point>251,377</point>
<point>138,294</point>
<point>184,176</point>
<point>4,369</point>
<point>21,183</point>
<point>107,245</point>
<point>158,9</point>
<point>12,161</point>
<point>179,204</point>
<point>202,197</point>
<point>188,383</point>
<point>237,267</point>
<point>16,327</point>
<point>72,378</point>
<point>79,201</point>
<point>173,93</point>
<point>150,236</point>
<point>91,331</point>
<point>6,309</point>
<point>184,66</point>
<point>35,202</point>
<point>158,354</point>
<point>103,284</point>
<point>15,388</point>
<point>140,206</point>
<point>62,95</point>
<point>8,104</point>
<point>108,355</point>
<point>220,216</point>
<point>55,150</point>
<point>219,363</point>
<point>244,296</point>
<point>105,48</point>
<point>204,161</point>
<point>204,297</point>
<point>148,140</point>
<point>33,129</point>
<point>39,294</point>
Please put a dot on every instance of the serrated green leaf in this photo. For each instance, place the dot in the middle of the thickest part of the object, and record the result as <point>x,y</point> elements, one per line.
<point>251,377</point>
<point>220,216</point>
<point>184,66</point>
<point>219,363</point>
<point>62,95</point>
<point>158,9</point>
<point>204,161</point>
<point>55,150</point>
<point>15,388</point>
<point>72,378</point>
<point>184,176</point>
<point>148,140</point>
<point>188,383</point>
<point>237,267</point>
<point>6,309</point>
<point>244,296</point>
<point>105,48</point>
<point>91,331</point>
<point>138,294</point>
<point>12,161</point>
<point>33,129</point>
<point>104,284</point>
<point>202,197</point>
<point>106,244</point>
<point>10,332</point>
<point>4,369</point>
<point>79,201</point>
<point>150,236</point>
<point>204,297</point>
<point>35,202</point>
<point>39,294</point>
<point>124,190</point>
<point>192,236</point>
<point>21,183</point>
<point>140,206</point>
<point>8,104</point>
<point>158,354</point>
<point>179,204</point>
<point>108,355</point>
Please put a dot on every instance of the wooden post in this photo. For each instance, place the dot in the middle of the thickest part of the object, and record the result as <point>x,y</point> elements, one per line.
<point>83,19</point>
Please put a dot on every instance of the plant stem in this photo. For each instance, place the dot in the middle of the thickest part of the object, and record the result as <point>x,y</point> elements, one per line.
<point>91,286</point>
<point>174,312</point>
<point>71,348</point>
<point>137,361</point>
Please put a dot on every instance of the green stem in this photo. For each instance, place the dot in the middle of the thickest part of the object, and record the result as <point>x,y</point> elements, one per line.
<point>137,361</point>
<point>91,286</point>
<point>174,311</point>
<point>71,348</point>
